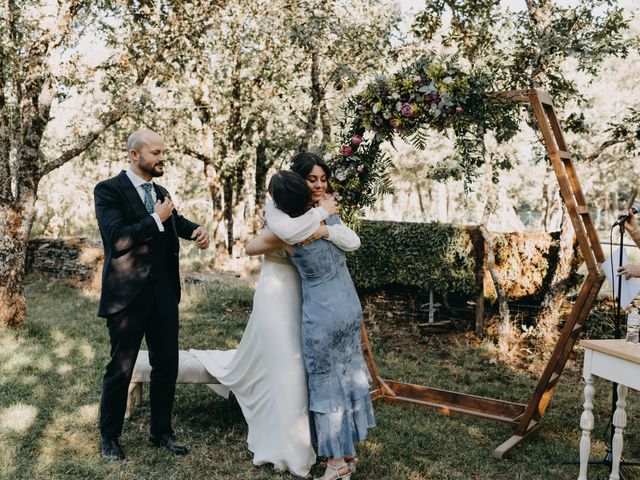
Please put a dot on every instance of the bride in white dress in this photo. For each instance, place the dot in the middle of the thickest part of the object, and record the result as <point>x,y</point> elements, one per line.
<point>266,373</point>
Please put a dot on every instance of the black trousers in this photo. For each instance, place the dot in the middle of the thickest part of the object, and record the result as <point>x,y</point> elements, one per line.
<point>154,315</point>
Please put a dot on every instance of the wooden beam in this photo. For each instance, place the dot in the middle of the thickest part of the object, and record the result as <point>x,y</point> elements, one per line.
<point>502,451</point>
<point>455,402</point>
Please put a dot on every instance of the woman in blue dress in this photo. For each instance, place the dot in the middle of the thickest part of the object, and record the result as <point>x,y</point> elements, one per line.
<point>338,379</point>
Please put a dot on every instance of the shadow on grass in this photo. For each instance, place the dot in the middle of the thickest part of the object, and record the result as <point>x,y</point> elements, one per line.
<point>50,379</point>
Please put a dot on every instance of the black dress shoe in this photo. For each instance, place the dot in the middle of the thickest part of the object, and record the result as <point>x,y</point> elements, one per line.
<point>111,449</point>
<point>167,441</point>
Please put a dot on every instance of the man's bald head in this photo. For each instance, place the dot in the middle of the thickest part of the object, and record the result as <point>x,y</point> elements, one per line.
<point>142,137</point>
<point>146,151</point>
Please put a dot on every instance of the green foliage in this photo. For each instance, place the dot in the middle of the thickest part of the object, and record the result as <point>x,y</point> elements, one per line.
<point>626,131</point>
<point>424,256</point>
<point>442,257</point>
<point>530,48</point>
<point>434,93</point>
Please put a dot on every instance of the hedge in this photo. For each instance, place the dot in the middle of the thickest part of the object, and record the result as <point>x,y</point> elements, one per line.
<point>424,256</point>
<point>449,259</point>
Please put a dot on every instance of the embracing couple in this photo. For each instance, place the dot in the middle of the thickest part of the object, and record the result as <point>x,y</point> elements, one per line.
<point>298,374</point>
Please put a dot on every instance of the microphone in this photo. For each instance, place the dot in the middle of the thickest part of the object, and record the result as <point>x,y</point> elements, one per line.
<point>625,217</point>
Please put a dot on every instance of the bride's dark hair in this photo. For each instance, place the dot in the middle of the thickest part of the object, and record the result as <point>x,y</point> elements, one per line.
<point>304,162</point>
<point>290,192</point>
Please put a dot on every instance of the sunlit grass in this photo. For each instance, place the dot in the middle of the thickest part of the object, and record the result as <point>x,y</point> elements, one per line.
<point>18,418</point>
<point>50,380</point>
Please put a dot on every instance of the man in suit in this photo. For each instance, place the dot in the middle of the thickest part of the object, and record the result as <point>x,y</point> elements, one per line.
<point>141,288</point>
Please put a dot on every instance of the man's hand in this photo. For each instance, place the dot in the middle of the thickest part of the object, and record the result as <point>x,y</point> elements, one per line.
<point>629,270</point>
<point>322,232</point>
<point>329,204</point>
<point>164,208</point>
<point>201,237</point>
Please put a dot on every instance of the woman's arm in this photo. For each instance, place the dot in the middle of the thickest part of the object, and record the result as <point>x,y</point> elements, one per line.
<point>343,237</point>
<point>266,242</point>
<point>295,230</point>
<point>340,235</point>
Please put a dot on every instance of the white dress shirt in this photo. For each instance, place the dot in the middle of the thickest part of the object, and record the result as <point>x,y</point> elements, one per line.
<point>137,183</point>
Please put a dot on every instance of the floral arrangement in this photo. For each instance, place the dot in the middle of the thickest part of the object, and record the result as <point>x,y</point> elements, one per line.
<point>433,93</point>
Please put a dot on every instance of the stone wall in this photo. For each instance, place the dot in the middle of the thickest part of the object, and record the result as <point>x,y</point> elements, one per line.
<point>74,258</point>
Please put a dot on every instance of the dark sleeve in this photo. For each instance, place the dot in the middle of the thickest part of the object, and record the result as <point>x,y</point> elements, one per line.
<point>120,236</point>
<point>184,227</point>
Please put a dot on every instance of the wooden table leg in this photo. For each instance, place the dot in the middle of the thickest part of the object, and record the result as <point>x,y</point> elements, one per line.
<point>619,422</point>
<point>586,423</point>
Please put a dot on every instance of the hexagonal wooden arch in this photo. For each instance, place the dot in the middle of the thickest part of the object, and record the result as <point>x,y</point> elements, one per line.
<point>524,417</point>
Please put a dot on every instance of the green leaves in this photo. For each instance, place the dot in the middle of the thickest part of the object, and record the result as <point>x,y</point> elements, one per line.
<point>425,256</point>
<point>432,94</point>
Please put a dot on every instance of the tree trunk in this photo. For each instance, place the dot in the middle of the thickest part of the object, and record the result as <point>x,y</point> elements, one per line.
<point>544,221</point>
<point>549,313</point>
<point>262,167</point>
<point>325,120</point>
<point>540,13</point>
<point>233,173</point>
<point>213,184</point>
<point>16,220</point>
<point>420,202</point>
<point>600,218</point>
<point>479,247</point>
<point>316,99</point>
<point>228,210</point>
<point>505,330</point>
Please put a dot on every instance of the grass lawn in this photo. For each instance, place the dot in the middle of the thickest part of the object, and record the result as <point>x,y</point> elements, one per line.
<point>51,371</point>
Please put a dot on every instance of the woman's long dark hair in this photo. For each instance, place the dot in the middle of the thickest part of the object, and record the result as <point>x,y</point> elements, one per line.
<point>290,192</point>
<point>304,162</point>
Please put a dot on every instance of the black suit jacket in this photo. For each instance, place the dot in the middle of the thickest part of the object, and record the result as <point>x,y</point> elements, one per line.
<point>127,232</point>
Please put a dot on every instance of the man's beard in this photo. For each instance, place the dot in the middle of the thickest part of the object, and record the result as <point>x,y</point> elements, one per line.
<point>151,171</point>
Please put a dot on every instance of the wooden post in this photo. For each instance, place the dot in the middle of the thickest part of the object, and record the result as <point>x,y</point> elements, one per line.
<point>431,309</point>
<point>480,254</point>
<point>479,327</point>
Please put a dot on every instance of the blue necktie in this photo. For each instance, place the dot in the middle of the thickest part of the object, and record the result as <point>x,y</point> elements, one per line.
<point>148,199</point>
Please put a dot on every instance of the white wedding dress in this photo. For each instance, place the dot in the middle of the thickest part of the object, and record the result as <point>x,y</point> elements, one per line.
<point>266,373</point>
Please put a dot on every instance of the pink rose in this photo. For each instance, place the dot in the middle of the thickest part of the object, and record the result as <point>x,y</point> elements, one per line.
<point>431,97</point>
<point>459,109</point>
<point>346,150</point>
<point>360,169</point>
<point>407,110</point>
<point>356,140</point>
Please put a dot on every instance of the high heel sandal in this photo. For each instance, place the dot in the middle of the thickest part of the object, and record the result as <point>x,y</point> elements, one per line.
<point>333,472</point>
<point>352,462</point>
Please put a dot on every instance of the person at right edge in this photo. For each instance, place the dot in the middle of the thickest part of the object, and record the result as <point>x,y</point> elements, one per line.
<point>633,228</point>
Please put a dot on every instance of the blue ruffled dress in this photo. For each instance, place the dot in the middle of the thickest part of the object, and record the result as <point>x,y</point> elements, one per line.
<point>339,403</point>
